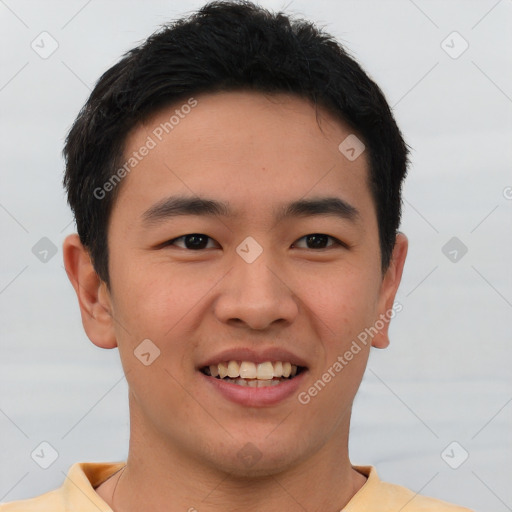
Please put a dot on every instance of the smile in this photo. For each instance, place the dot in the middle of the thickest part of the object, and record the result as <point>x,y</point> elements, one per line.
<point>255,375</point>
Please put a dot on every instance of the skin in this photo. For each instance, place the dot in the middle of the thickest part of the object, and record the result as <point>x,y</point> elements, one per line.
<point>255,152</point>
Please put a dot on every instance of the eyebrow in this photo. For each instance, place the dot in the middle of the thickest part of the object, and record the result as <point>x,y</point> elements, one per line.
<point>181,205</point>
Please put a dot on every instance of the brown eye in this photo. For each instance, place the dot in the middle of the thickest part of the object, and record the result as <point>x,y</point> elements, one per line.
<point>193,241</point>
<point>319,241</point>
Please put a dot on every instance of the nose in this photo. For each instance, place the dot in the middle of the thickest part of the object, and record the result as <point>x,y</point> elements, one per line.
<point>256,295</point>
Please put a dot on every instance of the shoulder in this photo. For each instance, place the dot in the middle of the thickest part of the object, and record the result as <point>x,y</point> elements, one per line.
<point>50,501</point>
<point>413,502</point>
<point>76,493</point>
<point>386,497</point>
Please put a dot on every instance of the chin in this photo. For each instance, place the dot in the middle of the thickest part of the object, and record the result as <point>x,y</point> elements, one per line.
<point>250,456</point>
<point>258,468</point>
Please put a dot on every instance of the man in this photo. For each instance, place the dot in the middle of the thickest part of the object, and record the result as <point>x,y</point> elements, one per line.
<point>236,186</point>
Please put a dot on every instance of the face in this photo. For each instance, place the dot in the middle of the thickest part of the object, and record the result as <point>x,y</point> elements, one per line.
<point>280,271</point>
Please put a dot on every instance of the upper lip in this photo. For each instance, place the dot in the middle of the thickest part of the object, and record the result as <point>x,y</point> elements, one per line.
<point>261,355</point>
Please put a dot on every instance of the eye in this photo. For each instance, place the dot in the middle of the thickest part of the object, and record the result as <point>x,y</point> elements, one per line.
<point>193,241</point>
<point>319,240</point>
<point>200,241</point>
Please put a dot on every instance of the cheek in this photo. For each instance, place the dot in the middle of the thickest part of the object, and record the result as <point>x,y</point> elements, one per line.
<point>344,300</point>
<point>142,291</point>
<point>151,305</point>
<point>156,302</point>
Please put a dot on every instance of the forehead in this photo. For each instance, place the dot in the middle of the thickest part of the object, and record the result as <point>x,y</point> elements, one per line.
<point>246,148</point>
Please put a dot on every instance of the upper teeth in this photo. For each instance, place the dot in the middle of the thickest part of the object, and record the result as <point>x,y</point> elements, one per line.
<point>249,370</point>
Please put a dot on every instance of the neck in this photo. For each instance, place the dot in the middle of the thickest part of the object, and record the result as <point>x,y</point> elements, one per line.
<point>162,476</point>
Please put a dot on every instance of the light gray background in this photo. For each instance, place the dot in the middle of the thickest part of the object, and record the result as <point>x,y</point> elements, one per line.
<point>446,375</point>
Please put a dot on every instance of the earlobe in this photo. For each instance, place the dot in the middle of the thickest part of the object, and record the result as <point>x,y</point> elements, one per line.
<point>387,309</point>
<point>92,293</point>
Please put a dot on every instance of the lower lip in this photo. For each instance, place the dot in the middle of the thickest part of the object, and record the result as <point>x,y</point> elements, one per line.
<point>256,397</point>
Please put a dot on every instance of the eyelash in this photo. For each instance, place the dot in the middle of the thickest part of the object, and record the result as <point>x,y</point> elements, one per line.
<point>335,240</point>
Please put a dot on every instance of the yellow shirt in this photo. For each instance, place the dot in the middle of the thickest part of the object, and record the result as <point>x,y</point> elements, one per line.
<point>77,494</point>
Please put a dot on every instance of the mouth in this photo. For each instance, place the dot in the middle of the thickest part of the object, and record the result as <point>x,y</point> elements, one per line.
<point>254,375</point>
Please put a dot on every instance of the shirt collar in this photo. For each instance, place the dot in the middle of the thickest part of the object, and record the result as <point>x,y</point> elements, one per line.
<point>82,479</point>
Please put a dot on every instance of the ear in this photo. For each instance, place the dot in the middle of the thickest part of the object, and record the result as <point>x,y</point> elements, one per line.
<point>93,295</point>
<point>389,287</point>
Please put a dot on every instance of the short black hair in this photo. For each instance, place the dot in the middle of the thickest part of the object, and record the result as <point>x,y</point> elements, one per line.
<point>228,46</point>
